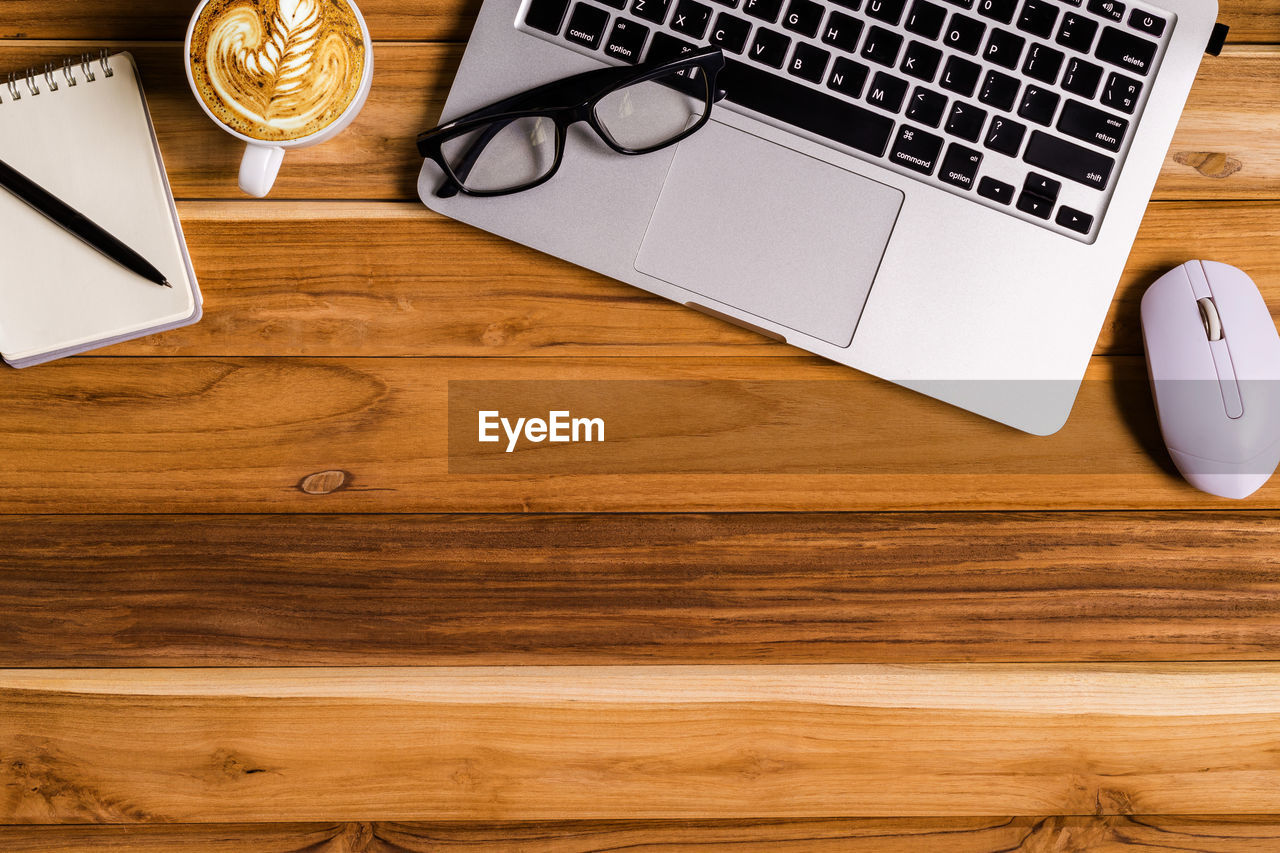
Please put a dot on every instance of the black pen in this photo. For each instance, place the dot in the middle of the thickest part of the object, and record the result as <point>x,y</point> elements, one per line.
<point>76,223</point>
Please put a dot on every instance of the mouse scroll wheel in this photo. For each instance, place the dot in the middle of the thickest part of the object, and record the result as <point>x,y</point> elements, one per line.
<point>1209,316</point>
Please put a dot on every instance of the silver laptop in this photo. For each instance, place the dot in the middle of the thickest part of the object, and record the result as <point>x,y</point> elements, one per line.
<point>942,193</point>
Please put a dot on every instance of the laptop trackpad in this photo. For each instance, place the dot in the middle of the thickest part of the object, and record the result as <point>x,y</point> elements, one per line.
<point>769,231</point>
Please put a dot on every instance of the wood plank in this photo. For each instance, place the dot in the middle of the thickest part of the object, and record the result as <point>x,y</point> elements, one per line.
<point>407,282</point>
<point>391,19</point>
<point>1109,834</point>
<point>373,435</point>
<point>1222,149</point>
<point>507,590</point>
<point>587,742</point>
<point>422,20</point>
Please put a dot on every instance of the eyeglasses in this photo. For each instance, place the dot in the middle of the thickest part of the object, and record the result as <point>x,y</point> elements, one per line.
<point>518,143</point>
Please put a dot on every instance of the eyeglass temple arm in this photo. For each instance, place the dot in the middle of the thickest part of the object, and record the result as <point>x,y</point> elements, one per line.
<point>579,87</point>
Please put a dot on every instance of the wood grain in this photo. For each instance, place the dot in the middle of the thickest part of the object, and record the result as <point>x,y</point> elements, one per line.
<point>435,590</point>
<point>389,19</point>
<point>1109,834</point>
<point>557,743</point>
<point>408,282</point>
<point>728,747</point>
<point>373,435</point>
<point>1224,148</point>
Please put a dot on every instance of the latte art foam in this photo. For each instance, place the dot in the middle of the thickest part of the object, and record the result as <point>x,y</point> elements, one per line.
<point>277,70</point>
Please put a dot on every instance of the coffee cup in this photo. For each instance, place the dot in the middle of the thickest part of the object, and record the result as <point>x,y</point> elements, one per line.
<point>278,75</point>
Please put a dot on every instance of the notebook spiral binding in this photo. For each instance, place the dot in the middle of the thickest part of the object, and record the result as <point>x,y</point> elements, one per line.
<point>30,79</point>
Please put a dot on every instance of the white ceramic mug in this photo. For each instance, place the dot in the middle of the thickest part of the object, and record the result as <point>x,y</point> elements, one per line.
<point>262,158</point>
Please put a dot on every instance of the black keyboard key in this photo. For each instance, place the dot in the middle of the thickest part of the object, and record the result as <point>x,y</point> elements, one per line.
<point>664,47</point>
<point>586,25</point>
<point>1107,9</point>
<point>808,109</point>
<point>1121,93</point>
<point>1074,220</point>
<point>997,191</point>
<point>1147,23</point>
<point>1126,50</point>
<point>1077,32</point>
<point>1038,18</point>
<point>998,10</point>
<point>733,3</point>
<point>926,107</point>
<point>999,90</point>
<point>1042,186</point>
<point>769,47</point>
<point>547,15</point>
<point>1004,49</point>
<point>1005,136</point>
<point>1043,63</point>
<point>1093,125</point>
<point>730,33</point>
<point>960,76</point>
<point>921,61</point>
<point>848,77</point>
<point>966,121</point>
<point>964,34</point>
<point>651,10</point>
<point>889,11</point>
<point>855,5</point>
<point>803,16</point>
<point>842,31</point>
<point>887,92</point>
<point>1082,78</point>
<point>916,150</point>
<point>882,46</point>
<point>963,4</point>
<point>926,19</point>
<point>626,41</point>
<point>808,62</point>
<point>1041,208</point>
<point>1068,160</point>
<point>765,10</point>
<point>1039,105</point>
<point>691,18</point>
<point>960,166</point>
<point>616,4</point>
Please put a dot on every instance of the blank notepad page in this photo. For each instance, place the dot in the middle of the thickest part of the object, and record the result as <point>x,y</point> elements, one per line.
<point>92,146</point>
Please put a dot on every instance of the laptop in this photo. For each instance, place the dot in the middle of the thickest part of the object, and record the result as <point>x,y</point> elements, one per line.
<point>941,193</point>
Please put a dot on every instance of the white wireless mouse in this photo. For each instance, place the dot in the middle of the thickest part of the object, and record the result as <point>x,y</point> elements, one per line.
<point>1213,355</point>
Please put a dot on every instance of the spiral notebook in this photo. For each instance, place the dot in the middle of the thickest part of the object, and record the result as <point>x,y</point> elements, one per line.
<point>81,129</point>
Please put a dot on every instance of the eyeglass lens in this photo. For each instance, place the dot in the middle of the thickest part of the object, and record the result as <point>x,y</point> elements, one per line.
<point>651,113</point>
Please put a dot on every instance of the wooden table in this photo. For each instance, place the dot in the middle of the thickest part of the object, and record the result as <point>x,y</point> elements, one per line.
<point>246,604</point>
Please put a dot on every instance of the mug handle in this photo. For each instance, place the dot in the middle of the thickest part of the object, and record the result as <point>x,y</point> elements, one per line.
<point>259,168</point>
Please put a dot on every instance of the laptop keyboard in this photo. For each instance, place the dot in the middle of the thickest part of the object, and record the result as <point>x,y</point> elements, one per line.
<point>1024,106</point>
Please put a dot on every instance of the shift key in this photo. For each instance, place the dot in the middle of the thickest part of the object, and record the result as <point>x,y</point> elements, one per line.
<point>1068,160</point>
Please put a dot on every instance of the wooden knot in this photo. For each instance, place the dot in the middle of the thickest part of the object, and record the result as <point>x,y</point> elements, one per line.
<point>1209,164</point>
<point>325,482</point>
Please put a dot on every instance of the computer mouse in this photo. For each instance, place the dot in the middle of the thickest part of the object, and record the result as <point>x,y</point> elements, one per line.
<point>1213,356</point>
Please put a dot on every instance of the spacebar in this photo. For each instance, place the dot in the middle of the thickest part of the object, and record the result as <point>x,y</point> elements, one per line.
<point>837,120</point>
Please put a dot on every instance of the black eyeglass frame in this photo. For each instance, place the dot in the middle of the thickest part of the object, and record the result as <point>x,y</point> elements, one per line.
<point>566,102</point>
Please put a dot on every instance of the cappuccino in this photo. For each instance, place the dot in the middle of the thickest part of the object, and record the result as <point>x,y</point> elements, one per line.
<point>277,70</point>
